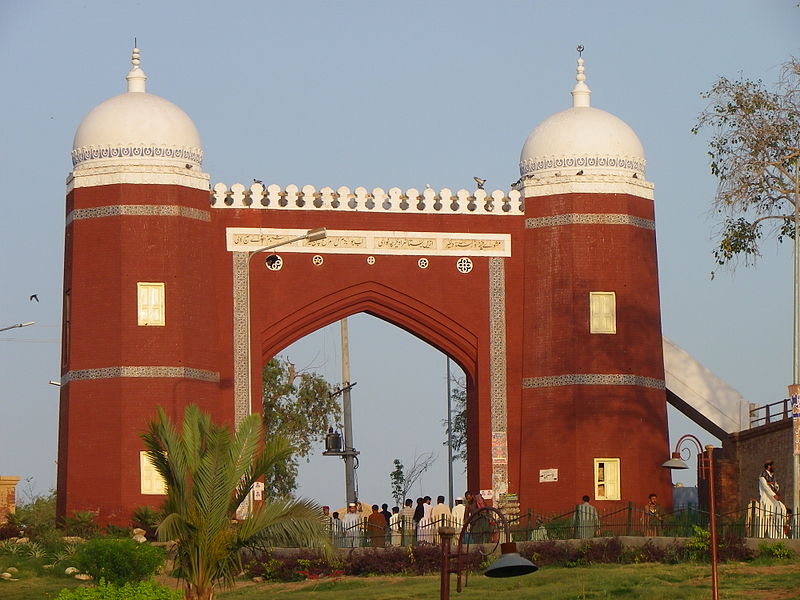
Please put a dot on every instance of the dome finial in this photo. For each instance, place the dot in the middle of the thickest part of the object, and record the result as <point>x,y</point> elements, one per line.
<point>136,77</point>
<point>581,91</point>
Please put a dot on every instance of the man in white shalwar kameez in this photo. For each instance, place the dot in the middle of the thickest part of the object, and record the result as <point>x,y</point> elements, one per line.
<point>772,515</point>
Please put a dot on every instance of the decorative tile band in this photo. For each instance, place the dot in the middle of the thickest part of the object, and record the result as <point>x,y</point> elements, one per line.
<point>115,372</point>
<point>593,379</point>
<point>589,219</point>
<point>80,155</point>
<point>497,374</point>
<point>541,163</point>
<point>241,337</point>
<point>352,241</point>
<point>137,210</point>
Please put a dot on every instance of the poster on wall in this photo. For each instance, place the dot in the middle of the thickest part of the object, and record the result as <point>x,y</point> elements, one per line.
<point>258,490</point>
<point>548,475</point>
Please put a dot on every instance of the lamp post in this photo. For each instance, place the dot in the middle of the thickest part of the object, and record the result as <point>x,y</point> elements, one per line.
<point>312,235</point>
<point>510,563</point>
<point>706,467</point>
<point>17,325</point>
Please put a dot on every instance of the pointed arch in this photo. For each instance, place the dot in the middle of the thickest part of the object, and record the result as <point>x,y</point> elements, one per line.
<point>389,304</point>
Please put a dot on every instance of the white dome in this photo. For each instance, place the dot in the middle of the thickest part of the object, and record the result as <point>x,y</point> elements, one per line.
<point>137,127</point>
<point>582,139</point>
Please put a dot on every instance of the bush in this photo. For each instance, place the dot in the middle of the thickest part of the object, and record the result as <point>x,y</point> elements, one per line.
<point>147,518</point>
<point>776,550</point>
<point>308,564</point>
<point>119,561</point>
<point>37,518</point>
<point>81,524</point>
<point>9,530</point>
<point>146,590</point>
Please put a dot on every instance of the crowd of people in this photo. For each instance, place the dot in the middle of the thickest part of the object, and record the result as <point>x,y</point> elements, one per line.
<point>401,526</point>
<point>418,523</point>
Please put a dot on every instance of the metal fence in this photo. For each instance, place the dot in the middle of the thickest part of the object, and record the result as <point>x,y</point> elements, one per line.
<point>770,413</point>
<point>754,521</point>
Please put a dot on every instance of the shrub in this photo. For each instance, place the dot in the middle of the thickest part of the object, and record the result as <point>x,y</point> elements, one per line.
<point>9,530</point>
<point>147,518</point>
<point>776,550</point>
<point>308,564</point>
<point>145,590</point>
<point>606,550</point>
<point>116,531</point>
<point>546,553</point>
<point>37,518</point>
<point>119,561</point>
<point>81,524</point>
<point>698,548</point>
<point>733,548</point>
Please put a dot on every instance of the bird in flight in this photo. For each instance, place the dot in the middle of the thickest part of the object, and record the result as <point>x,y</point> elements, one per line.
<point>480,182</point>
<point>34,297</point>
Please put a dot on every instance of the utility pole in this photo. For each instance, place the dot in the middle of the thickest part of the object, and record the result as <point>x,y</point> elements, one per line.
<point>449,436</point>
<point>349,453</point>
<point>794,389</point>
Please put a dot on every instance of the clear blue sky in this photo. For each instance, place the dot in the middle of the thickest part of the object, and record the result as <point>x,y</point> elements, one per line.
<point>382,94</point>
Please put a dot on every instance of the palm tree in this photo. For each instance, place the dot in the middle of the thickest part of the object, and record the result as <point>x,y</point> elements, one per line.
<point>209,472</point>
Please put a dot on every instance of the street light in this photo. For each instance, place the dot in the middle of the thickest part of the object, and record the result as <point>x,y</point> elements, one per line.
<point>510,563</point>
<point>17,325</point>
<point>706,466</point>
<point>312,235</point>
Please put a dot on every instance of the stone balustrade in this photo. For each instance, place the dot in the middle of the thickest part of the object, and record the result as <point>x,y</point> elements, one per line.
<point>427,201</point>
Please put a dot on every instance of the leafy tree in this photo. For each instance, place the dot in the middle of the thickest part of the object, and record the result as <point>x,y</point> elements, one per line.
<point>458,396</point>
<point>297,405</point>
<point>209,472</point>
<point>403,481</point>
<point>397,479</point>
<point>754,152</point>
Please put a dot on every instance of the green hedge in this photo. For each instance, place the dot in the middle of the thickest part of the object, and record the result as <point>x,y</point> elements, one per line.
<point>119,561</point>
<point>143,590</point>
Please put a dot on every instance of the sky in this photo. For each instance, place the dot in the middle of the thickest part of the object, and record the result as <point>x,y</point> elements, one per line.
<point>380,94</point>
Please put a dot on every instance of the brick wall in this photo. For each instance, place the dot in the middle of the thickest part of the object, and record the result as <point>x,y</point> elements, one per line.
<point>748,451</point>
<point>8,486</point>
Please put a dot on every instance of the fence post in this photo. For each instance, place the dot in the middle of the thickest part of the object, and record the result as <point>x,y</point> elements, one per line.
<point>630,518</point>
<point>528,528</point>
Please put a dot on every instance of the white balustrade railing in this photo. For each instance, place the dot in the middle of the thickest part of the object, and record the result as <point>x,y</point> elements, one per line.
<point>428,201</point>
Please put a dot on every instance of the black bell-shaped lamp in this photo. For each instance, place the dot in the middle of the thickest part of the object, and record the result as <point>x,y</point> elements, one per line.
<point>510,563</point>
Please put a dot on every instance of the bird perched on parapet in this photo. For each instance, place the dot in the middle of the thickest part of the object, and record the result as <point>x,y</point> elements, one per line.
<point>34,297</point>
<point>258,181</point>
<point>188,166</point>
<point>579,172</point>
<point>635,176</point>
<point>480,182</point>
<point>516,183</point>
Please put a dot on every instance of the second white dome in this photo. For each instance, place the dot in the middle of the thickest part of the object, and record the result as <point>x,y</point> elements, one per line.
<point>582,140</point>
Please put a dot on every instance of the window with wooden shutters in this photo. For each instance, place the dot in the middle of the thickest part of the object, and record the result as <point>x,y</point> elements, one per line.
<point>606,479</point>
<point>152,483</point>
<point>151,303</point>
<point>602,312</point>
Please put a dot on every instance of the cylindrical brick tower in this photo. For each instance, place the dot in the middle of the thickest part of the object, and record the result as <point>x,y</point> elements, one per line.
<point>139,320</point>
<point>593,415</point>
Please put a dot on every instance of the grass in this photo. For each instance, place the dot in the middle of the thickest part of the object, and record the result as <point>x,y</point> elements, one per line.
<point>778,580</point>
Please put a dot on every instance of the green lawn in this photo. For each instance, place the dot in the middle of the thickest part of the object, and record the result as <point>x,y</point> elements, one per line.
<point>645,582</point>
<point>751,581</point>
